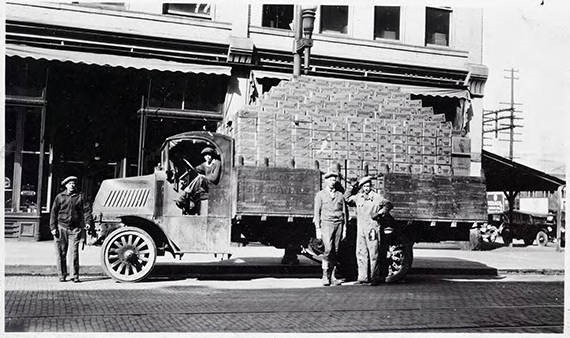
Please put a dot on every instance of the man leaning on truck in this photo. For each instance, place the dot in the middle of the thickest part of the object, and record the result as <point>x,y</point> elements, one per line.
<point>365,199</point>
<point>330,225</point>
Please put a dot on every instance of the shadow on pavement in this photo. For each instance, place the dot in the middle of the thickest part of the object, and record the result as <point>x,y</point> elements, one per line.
<point>486,246</point>
<point>235,271</point>
<point>450,266</point>
<point>247,268</point>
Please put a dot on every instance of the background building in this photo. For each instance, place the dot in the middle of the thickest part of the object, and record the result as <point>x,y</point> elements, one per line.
<point>92,89</point>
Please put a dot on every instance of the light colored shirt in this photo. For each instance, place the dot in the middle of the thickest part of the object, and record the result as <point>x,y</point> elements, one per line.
<point>364,204</point>
<point>329,207</point>
<point>211,171</point>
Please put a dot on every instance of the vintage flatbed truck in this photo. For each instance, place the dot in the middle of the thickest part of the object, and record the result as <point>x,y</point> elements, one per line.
<point>272,162</point>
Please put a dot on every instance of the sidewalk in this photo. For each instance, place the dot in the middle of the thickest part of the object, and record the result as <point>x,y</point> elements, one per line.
<point>37,258</point>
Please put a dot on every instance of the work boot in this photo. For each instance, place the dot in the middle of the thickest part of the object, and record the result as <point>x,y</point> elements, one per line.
<point>191,206</point>
<point>362,282</point>
<point>326,278</point>
<point>290,260</point>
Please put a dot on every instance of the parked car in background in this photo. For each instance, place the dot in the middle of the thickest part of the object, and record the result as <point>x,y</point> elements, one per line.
<point>529,227</point>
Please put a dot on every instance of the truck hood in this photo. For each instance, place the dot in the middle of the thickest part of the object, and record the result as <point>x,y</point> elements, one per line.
<point>125,196</point>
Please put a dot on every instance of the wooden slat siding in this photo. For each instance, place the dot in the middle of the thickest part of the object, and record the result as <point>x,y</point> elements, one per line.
<point>11,229</point>
<point>285,191</point>
<point>423,197</point>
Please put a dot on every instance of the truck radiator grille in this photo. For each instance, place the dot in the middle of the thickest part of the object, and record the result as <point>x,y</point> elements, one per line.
<point>127,198</point>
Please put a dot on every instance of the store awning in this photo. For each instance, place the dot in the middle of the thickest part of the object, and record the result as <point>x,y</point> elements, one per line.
<point>262,74</point>
<point>38,53</point>
<point>416,90</point>
<point>502,174</point>
<point>437,92</point>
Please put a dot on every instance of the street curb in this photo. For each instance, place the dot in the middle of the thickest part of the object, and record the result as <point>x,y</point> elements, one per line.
<point>205,271</point>
<point>556,272</point>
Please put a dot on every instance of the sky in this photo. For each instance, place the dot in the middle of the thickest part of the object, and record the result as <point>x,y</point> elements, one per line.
<point>535,39</point>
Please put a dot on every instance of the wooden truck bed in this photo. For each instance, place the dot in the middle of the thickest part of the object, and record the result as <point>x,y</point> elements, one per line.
<point>275,191</point>
<point>436,198</point>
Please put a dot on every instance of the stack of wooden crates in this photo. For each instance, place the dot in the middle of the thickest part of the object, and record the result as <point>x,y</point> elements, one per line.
<point>352,123</point>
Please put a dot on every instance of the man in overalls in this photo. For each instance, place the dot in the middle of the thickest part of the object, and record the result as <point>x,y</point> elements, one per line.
<point>368,258</point>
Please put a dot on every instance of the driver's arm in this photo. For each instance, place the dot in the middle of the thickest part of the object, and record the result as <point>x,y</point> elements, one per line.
<point>214,175</point>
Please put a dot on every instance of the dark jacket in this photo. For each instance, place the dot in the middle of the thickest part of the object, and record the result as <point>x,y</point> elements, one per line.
<point>381,213</point>
<point>70,211</point>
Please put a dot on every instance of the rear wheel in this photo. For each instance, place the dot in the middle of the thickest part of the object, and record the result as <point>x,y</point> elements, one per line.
<point>542,238</point>
<point>399,257</point>
<point>128,254</point>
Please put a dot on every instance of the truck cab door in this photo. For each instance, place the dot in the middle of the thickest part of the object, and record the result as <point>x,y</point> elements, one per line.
<point>199,233</point>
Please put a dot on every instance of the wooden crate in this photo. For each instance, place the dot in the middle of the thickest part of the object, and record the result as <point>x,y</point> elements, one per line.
<point>428,159</point>
<point>443,160</point>
<point>399,139</point>
<point>415,159</point>
<point>460,145</point>
<point>461,162</point>
<point>444,170</point>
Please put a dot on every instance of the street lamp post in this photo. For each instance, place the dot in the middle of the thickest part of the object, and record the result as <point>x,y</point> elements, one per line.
<point>304,24</point>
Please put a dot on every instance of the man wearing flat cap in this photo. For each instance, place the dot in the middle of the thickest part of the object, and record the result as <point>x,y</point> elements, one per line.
<point>70,215</point>
<point>330,225</point>
<point>195,195</point>
<point>368,249</point>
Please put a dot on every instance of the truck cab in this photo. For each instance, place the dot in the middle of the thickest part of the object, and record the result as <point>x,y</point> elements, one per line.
<point>138,218</point>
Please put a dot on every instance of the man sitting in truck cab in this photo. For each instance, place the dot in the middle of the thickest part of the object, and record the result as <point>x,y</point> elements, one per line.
<point>195,195</point>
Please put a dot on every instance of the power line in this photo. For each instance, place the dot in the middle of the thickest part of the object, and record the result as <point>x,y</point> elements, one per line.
<point>491,118</point>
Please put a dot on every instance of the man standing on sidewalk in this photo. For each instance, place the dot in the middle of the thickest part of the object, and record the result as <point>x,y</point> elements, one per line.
<point>367,235</point>
<point>70,214</point>
<point>330,225</point>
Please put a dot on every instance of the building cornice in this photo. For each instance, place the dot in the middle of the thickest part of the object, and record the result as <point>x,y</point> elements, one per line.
<point>126,33</point>
<point>109,20</point>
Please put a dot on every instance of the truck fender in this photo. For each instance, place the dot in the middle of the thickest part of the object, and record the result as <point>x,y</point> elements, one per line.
<point>152,228</point>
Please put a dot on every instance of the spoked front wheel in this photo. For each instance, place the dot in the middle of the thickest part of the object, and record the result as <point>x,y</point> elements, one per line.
<point>128,254</point>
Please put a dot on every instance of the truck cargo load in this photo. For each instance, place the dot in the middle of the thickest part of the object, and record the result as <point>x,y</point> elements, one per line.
<point>415,156</point>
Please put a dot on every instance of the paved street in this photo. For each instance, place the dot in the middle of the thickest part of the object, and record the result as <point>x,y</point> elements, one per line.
<point>521,303</point>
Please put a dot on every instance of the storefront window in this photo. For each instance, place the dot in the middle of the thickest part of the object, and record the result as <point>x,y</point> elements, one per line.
<point>32,126</point>
<point>23,125</point>
<point>8,181</point>
<point>277,16</point>
<point>29,186</point>
<point>189,91</point>
<point>194,10</point>
<point>387,22</point>
<point>437,26</point>
<point>24,78</point>
<point>167,91</point>
<point>334,19</point>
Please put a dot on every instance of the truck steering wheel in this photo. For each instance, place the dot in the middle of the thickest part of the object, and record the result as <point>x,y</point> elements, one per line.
<point>189,171</point>
<point>190,165</point>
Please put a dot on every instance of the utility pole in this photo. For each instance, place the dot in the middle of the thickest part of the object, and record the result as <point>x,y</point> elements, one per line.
<point>512,130</point>
<point>492,118</point>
